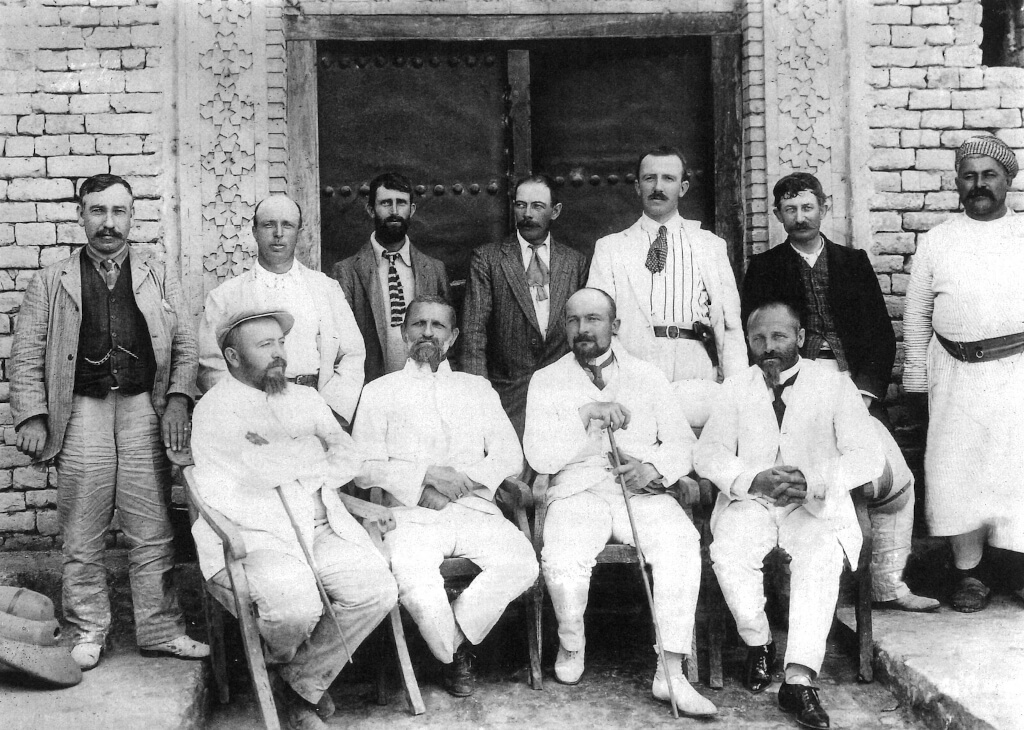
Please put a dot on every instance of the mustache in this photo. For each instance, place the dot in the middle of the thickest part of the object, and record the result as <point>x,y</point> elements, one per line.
<point>657,195</point>
<point>111,233</point>
<point>277,362</point>
<point>770,355</point>
<point>980,193</point>
<point>583,338</point>
<point>528,224</point>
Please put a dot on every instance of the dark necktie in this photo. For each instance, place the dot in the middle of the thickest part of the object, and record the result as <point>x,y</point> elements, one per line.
<point>109,272</point>
<point>778,404</point>
<point>537,273</point>
<point>395,293</point>
<point>658,252</point>
<point>596,370</point>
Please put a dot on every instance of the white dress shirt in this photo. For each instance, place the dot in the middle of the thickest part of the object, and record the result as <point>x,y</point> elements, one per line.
<point>412,419</point>
<point>678,294</point>
<point>300,343</point>
<point>403,264</point>
<point>811,258</point>
<point>541,306</point>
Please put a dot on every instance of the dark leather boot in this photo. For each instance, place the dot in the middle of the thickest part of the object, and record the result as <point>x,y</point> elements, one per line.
<point>458,676</point>
<point>802,701</point>
<point>757,673</point>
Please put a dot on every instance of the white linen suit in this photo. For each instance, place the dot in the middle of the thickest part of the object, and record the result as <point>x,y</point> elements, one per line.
<point>618,268</point>
<point>246,443</point>
<point>408,421</point>
<point>341,345</point>
<point>826,433</point>
<point>586,509</point>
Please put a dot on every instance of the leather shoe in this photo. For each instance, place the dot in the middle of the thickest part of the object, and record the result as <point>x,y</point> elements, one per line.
<point>458,676</point>
<point>970,596</point>
<point>182,647</point>
<point>569,664</point>
<point>688,700</point>
<point>757,674</point>
<point>909,602</point>
<point>87,655</point>
<point>802,700</point>
<point>325,707</point>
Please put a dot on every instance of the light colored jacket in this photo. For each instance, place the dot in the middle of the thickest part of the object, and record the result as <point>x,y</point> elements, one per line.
<point>341,346</point>
<point>46,341</point>
<point>557,443</point>
<point>618,268</point>
<point>826,433</point>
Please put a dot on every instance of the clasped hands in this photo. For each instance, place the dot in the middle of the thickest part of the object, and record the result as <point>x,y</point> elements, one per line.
<point>783,485</point>
<point>443,484</point>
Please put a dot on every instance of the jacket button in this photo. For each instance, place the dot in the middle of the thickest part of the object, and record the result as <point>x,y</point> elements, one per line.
<point>71,357</point>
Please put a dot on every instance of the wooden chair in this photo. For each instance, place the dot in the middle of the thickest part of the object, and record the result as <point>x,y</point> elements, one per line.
<point>717,609</point>
<point>687,491</point>
<point>238,601</point>
<point>514,497</point>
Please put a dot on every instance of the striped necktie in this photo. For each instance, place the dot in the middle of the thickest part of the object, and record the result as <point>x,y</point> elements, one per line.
<point>110,272</point>
<point>395,293</point>
<point>657,254</point>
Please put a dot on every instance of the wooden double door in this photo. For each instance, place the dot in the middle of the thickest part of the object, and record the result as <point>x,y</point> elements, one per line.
<point>464,119</point>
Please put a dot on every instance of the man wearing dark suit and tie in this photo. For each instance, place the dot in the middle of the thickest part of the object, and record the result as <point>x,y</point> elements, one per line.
<point>382,277</point>
<point>513,314</point>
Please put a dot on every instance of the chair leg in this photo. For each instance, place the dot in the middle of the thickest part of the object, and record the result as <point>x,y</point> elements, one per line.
<point>534,633</point>
<point>253,648</point>
<point>382,670</point>
<point>218,656</point>
<point>690,661</point>
<point>412,689</point>
<point>865,638</point>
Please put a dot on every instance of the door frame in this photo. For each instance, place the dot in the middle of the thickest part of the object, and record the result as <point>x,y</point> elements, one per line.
<point>302,33</point>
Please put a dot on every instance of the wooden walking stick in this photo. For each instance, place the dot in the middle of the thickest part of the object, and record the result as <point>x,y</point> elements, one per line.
<point>643,576</point>
<point>312,566</point>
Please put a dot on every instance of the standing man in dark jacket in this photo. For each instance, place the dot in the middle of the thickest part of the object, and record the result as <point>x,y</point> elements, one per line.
<point>382,277</point>
<point>102,371</point>
<point>513,315</point>
<point>848,328</point>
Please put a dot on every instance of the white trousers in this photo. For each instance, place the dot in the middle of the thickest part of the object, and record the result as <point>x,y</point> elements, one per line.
<point>744,532</point>
<point>892,528</point>
<point>578,527</point>
<point>423,538</point>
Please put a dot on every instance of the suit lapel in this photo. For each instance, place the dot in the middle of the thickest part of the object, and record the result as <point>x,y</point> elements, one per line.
<point>420,272</point>
<point>366,270</point>
<point>633,262</point>
<point>71,277</point>
<point>140,270</point>
<point>558,283</point>
<point>515,274</point>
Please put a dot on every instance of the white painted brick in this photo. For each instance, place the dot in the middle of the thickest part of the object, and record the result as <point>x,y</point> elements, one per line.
<point>148,210</point>
<point>963,56</point>
<point>3,189</point>
<point>896,201</point>
<point>929,99</point>
<point>77,166</point>
<point>954,138</point>
<point>901,244</point>
<point>20,146</point>
<point>50,103</point>
<point>41,498</point>
<point>17,104</point>
<point>110,60</point>
<point>888,56</point>
<point>90,104</point>
<point>886,221</point>
<point>111,3</point>
<point>138,102</point>
<point>133,58</point>
<point>878,35</point>
<point>79,16</point>
<point>108,17</point>
<point>84,58</point>
<point>972,78</point>
<point>894,118</point>
<point>57,82</point>
<point>1004,77</point>
<point>907,36</point>
<point>58,212</point>
<point>119,144</point>
<point>153,143</point>
<point>53,254</point>
<point>30,477</point>
<point>883,264</point>
<point>83,144</point>
<point>895,98</point>
<point>1012,98</point>
<point>988,118</point>
<point>944,78</point>
<point>108,38</point>
<point>53,145</point>
<point>884,137</point>
<point>968,35</point>
<point>919,138</point>
<point>19,522</point>
<point>102,81</point>
<point>878,78</point>
<point>930,15</point>
<point>145,36</point>
<point>64,123</point>
<point>922,221</point>
<point>8,124</point>
<point>145,231</point>
<point>929,56</point>
<point>891,15</point>
<point>24,255</point>
<point>907,77</point>
<point>150,186</point>
<point>31,124</point>
<point>946,200</point>
<point>985,99</point>
<point>51,60</point>
<point>13,167</point>
<point>17,212</point>
<point>137,15</point>
<point>135,165</point>
<point>70,233</point>
<point>942,119</point>
<point>891,159</point>
<point>120,123</point>
<point>935,159</point>
<point>1012,137</point>
<point>916,180</point>
<point>968,12</point>
<point>940,35</point>
<point>6,234</point>
<point>150,79</point>
<point>40,189</point>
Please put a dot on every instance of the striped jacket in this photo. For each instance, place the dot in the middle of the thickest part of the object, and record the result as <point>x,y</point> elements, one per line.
<point>46,341</point>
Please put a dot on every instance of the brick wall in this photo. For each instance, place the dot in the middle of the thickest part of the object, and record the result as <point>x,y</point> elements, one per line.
<point>81,91</point>
<point>930,93</point>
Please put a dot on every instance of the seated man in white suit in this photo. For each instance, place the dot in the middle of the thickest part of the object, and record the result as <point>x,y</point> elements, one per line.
<point>785,444</point>
<point>569,405</point>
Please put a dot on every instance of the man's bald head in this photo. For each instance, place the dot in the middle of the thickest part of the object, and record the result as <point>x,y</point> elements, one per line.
<point>590,323</point>
<point>591,296</point>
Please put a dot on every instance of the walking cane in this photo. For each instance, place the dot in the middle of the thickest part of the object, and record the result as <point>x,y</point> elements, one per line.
<point>319,583</point>
<point>643,575</point>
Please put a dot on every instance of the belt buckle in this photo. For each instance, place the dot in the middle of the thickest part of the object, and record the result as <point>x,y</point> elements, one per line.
<point>979,353</point>
<point>672,332</point>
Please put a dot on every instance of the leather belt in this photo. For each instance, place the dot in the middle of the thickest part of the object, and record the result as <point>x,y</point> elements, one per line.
<point>995,348</point>
<point>310,381</point>
<point>673,332</point>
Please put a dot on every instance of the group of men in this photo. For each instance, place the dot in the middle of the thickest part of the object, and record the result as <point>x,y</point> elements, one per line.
<point>775,396</point>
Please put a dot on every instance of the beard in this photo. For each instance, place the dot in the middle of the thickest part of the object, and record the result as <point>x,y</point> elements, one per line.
<point>428,351</point>
<point>585,349</point>
<point>390,230</point>
<point>272,380</point>
<point>774,362</point>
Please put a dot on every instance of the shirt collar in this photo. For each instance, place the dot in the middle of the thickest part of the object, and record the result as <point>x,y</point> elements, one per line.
<point>815,253</point>
<point>651,226</point>
<point>118,258</point>
<point>403,252</point>
<point>271,276</point>
<point>526,244</point>
<point>422,370</point>
<point>789,373</point>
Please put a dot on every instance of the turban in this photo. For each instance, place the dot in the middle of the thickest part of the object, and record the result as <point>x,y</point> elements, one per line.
<point>990,147</point>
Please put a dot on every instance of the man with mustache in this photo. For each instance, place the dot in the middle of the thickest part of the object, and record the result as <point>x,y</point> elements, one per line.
<point>786,442</point>
<point>256,432</point>
<point>964,337</point>
<point>848,329</point>
<point>102,372</point>
<point>516,296</point>
<point>571,403</point>
<point>674,288</point>
<point>325,351</point>
<point>439,443</point>
<point>383,276</point>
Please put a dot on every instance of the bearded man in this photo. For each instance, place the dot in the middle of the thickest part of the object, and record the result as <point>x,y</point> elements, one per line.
<point>439,444</point>
<point>786,442</point>
<point>382,277</point>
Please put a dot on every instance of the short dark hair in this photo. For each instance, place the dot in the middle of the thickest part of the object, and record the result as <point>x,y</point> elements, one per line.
<point>792,185</point>
<point>99,183</point>
<point>428,299</point>
<point>664,151</point>
<point>794,308</point>
<point>539,179</point>
<point>613,310</point>
<point>391,181</point>
<point>256,210</point>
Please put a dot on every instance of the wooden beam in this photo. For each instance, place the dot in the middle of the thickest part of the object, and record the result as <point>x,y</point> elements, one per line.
<point>729,213</point>
<point>304,146</point>
<point>506,27</point>
<point>520,113</point>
